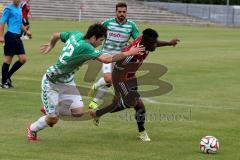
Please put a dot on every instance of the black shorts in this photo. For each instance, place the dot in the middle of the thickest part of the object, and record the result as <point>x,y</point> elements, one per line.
<point>13,44</point>
<point>25,22</point>
<point>126,91</point>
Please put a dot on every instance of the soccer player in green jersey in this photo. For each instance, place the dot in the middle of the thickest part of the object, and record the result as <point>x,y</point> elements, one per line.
<point>119,31</point>
<point>58,86</point>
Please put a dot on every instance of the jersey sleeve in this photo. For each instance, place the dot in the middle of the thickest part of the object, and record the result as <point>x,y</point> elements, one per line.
<point>64,36</point>
<point>94,53</point>
<point>135,31</point>
<point>5,15</point>
<point>88,51</point>
<point>106,22</point>
<point>97,53</point>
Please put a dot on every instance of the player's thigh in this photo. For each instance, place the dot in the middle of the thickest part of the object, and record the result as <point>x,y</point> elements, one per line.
<point>74,102</point>
<point>129,94</point>
<point>22,58</point>
<point>130,100</point>
<point>107,72</point>
<point>20,51</point>
<point>50,97</point>
<point>107,68</point>
<point>10,47</point>
<point>70,97</point>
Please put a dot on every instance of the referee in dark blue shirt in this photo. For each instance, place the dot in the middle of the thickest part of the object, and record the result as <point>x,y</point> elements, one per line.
<point>13,45</point>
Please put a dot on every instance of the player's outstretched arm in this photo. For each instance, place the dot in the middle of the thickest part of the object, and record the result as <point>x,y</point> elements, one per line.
<point>173,43</point>
<point>46,48</point>
<point>107,58</point>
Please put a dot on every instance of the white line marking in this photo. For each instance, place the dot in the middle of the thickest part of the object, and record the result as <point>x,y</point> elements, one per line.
<point>151,101</point>
<point>146,100</point>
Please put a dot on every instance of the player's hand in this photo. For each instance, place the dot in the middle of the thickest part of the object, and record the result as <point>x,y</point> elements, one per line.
<point>29,34</point>
<point>136,50</point>
<point>45,48</point>
<point>2,40</point>
<point>174,42</point>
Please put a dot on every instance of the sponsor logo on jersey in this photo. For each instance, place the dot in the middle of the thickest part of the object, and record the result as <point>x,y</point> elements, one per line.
<point>118,35</point>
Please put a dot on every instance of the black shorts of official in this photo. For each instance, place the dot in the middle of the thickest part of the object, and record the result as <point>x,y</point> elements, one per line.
<point>13,44</point>
<point>126,91</point>
<point>25,22</point>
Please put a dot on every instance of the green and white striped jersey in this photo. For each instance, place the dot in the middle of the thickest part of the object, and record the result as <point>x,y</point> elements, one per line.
<point>75,52</point>
<point>118,35</point>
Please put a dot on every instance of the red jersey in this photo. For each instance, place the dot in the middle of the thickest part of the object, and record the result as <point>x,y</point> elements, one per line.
<point>127,67</point>
<point>25,9</point>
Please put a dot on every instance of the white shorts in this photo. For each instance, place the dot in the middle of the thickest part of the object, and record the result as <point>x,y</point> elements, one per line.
<point>107,68</point>
<point>58,94</point>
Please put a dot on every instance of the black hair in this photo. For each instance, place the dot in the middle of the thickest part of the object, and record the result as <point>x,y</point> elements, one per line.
<point>121,4</point>
<point>149,34</point>
<point>97,30</point>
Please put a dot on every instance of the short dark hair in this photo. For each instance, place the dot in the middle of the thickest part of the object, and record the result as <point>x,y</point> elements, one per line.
<point>121,4</point>
<point>149,34</point>
<point>97,30</point>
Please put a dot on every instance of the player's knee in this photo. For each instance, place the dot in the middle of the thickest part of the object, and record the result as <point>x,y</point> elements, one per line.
<point>129,104</point>
<point>141,111</point>
<point>8,60</point>
<point>140,108</point>
<point>51,121</point>
<point>139,105</point>
<point>108,79</point>
<point>23,60</point>
<point>77,112</point>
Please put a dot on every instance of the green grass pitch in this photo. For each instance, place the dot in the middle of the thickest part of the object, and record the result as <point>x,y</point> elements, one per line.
<point>204,72</point>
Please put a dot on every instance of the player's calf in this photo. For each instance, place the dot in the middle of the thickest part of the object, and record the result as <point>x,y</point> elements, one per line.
<point>36,126</point>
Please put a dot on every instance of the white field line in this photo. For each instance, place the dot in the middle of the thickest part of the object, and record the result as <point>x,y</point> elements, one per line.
<point>146,100</point>
<point>151,101</point>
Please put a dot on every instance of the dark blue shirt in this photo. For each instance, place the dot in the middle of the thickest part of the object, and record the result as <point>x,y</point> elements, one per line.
<point>12,15</point>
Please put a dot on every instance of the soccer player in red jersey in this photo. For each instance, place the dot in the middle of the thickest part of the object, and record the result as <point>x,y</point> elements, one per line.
<point>125,81</point>
<point>25,13</point>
